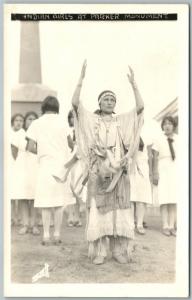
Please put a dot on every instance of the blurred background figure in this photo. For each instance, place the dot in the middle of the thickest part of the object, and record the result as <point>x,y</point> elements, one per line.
<point>17,167</point>
<point>76,176</point>
<point>141,193</point>
<point>28,212</point>
<point>165,174</point>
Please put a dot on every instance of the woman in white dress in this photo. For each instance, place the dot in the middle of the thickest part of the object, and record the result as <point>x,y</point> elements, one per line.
<point>47,137</point>
<point>165,174</point>
<point>141,193</point>
<point>76,175</point>
<point>108,146</point>
<point>29,213</point>
<point>16,167</point>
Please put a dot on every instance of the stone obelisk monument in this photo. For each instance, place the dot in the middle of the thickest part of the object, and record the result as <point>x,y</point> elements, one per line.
<point>30,92</point>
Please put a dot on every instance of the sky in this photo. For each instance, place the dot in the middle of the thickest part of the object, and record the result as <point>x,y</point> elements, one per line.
<point>153,49</point>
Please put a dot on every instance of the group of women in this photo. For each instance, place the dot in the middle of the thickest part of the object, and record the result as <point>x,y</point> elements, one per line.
<point>105,156</point>
<point>23,175</point>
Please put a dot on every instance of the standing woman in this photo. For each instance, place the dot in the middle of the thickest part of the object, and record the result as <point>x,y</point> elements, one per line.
<point>76,175</point>
<point>29,213</point>
<point>165,174</point>
<point>141,193</point>
<point>47,137</point>
<point>108,144</point>
<point>17,166</point>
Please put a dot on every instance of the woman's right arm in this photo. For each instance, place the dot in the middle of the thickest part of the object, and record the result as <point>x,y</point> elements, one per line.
<point>14,151</point>
<point>77,92</point>
<point>150,162</point>
<point>31,137</point>
<point>155,167</point>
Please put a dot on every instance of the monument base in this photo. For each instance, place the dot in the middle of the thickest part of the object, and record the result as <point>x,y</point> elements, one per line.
<point>28,97</point>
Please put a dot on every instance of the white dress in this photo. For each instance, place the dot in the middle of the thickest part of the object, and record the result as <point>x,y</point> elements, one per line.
<point>76,174</point>
<point>140,184</point>
<point>50,135</point>
<point>31,175</point>
<point>18,166</point>
<point>24,168</point>
<point>168,170</point>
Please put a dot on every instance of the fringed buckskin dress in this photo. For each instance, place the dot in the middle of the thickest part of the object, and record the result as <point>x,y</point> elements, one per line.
<point>108,194</point>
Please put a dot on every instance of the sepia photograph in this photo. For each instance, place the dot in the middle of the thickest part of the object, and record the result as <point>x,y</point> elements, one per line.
<point>96,107</point>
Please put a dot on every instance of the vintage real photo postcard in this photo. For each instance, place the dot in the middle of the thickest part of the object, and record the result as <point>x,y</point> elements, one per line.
<point>96,108</point>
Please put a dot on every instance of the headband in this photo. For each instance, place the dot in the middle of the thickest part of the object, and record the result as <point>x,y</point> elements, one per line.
<point>105,94</point>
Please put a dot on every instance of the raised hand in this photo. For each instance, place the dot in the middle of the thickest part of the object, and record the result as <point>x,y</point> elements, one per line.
<point>83,70</point>
<point>138,98</point>
<point>77,92</point>
<point>131,76</point>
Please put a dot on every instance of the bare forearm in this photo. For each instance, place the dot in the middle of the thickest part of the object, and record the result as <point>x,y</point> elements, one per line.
<point>150,159</point>
<point>76,95</point>
<point>138,98</point>
<point>14,151</point>
<point>71,162</point>
<point>34,151</point>
<point>155,162</point>
<point>31,146</point>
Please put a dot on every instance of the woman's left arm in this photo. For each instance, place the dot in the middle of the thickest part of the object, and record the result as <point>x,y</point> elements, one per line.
<point>138,98</point>
<point>31,146</point>
<point>150,162</point>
